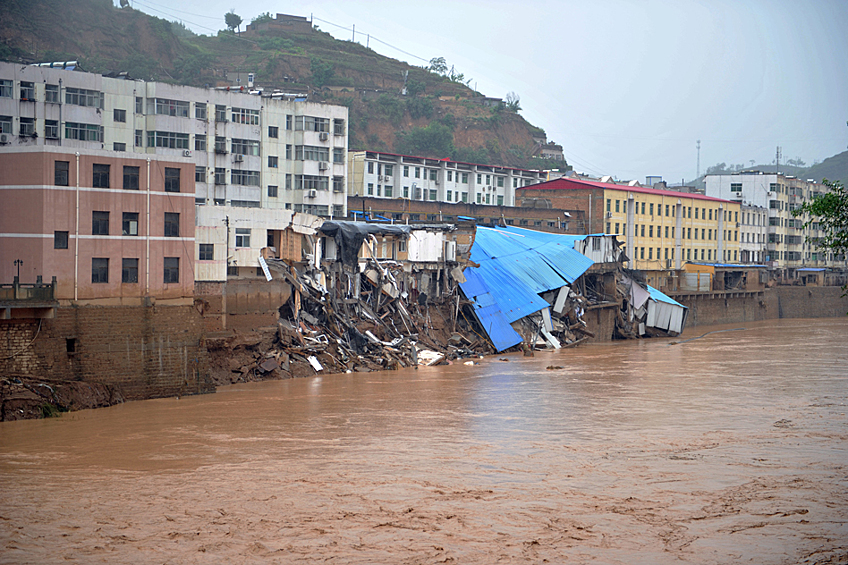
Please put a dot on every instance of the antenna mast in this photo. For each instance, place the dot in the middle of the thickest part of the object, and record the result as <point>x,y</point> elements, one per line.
<point>777,156</point>
<point>698,169</point>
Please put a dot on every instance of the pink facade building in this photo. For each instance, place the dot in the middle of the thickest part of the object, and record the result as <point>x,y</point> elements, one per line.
<point>112,227</point>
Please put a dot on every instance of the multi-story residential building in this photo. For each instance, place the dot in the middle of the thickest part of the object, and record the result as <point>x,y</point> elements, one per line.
<point>113,228</point>
<point>389,175</point>
<point>250,150</point>
<point>753,234</point>
<point>788,244</point>
<point>661,228</point>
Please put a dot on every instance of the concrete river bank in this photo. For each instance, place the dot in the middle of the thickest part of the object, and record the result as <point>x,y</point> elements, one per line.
<point>728,448</point>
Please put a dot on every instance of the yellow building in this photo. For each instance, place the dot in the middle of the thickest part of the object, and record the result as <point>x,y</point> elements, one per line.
<point>662,229</point>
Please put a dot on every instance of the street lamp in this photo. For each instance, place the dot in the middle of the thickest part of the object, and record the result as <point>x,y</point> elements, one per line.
<point>18,263</point>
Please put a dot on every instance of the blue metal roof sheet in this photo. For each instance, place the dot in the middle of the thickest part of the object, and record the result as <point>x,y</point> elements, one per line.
<point>660,297</point>
<point>488,312</point>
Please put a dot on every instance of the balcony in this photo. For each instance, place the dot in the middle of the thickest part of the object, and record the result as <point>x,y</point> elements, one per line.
<point>28,300</point>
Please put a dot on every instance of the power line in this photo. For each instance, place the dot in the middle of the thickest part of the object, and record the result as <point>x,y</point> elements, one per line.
<point>372,37</point>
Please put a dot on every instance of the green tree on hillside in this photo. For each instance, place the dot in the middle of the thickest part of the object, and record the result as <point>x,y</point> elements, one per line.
<point>233,21</point>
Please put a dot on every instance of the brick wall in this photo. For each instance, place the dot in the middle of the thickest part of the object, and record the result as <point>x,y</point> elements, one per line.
<point>144,352</point>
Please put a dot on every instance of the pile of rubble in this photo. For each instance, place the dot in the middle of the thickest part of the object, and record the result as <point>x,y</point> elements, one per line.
<point>348,321</point>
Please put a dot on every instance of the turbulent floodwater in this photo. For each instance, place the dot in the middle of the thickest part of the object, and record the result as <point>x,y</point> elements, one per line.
<point>727,449</point>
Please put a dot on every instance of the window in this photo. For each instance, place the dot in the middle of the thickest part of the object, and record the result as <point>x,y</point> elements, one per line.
<point>82,97</point>
<point>418,172</point>
<point>711,214</point>
<point>387,169</point>
<point>650,253</point>
<point>220,145</point>
<point>289,121</point>
<point>242,237</point>
<point>465,196</point>
<point>387,191</point>
<point>667,212</point>
<point>60,173</point>
<point>220,113</point>
<point>119,146</point>
<point>139,136</point>
<point>651,210</point>
<point>288,182</point>
<point>100,176</point>
<point>338,186</point>
<point>129,224</point>
<point>119,115</point>
<point>500,182</point>
<point>27,91</point>
<point>245,147</point>
<point>220,175</point>
<point>617,208</point>
<point>272,191</point>
<point>27,128</point>
<point>710,233</point>
<point>433,195</point>
<point>83,132</point>
<point>289,149</point>
<point>200,143</point>
<point>643,213</point>
<point>338,156</point>
<point>406,171</point>
<point>338,127</point>
<point>273,131</point>
<point>172,224</point>
<point>479,178</point>
<point>433,173</point>
<point>310,123</point>
<point>6,88</point>
<point>129,271</point>
<point>245,178</point>
<point>246,116</point>
<point>166,107</point>
<point>139,105</point>
<point>666,231</point>
<point>172,179</point>
<point>616,228</point>
<point>200,110</point>
<point>5,124</point>
<point>273,160</point>
<point>99,270</point>
<point>51,93</point>
<point>167,139</point>
<point>643,230</point>
<point>199,174</point>
<point>131,178</point>
<point>206,252</point>
<point>370,190</point>
<point>651,231</point>
<point>60,240</point>
<point>311,153</point>
<point>172,270</point>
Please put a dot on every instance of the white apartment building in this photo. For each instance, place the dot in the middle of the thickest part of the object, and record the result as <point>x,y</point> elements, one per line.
<point>250,150</point>
<point>753,234</point>
<point>389,175</point>
<point>788,245</point>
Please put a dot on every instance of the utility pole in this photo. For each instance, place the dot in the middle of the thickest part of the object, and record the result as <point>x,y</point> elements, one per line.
<point>354,33</point>
<point>698,169</point>
<point>777,157</point>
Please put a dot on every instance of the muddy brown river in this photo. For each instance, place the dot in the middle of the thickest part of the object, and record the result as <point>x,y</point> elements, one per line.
<point>726,449</point>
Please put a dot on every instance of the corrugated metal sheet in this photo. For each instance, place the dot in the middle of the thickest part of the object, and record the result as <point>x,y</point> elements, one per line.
<point>516,265</point>
<point>488,312</point>
<point>664,312</point>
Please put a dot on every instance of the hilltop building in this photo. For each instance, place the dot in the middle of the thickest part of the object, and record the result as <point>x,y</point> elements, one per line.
<point>788,244</point>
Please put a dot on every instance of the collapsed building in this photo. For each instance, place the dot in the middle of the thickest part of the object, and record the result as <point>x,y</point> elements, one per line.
<point>378,295</point>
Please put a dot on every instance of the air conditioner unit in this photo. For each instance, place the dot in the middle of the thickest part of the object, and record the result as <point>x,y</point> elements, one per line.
<point>186,153</point>
<point>668,263</point>
<point>437,182</point>
<point>312,193</point>
<point>4,138</point>
<point>323,166</point>
<point>238,158</point>
<point>323,136</point>
<point>609,214</point>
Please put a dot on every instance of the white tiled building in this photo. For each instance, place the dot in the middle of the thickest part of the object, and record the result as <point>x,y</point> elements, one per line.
<point>389,175</point>
<point>788,245</point>
<point>250,150</point>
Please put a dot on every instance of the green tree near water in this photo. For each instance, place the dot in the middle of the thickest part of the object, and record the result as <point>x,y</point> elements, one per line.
<point>830,211</point>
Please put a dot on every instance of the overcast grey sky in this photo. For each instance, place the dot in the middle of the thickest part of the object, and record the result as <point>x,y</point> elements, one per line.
<point>627,87</point>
